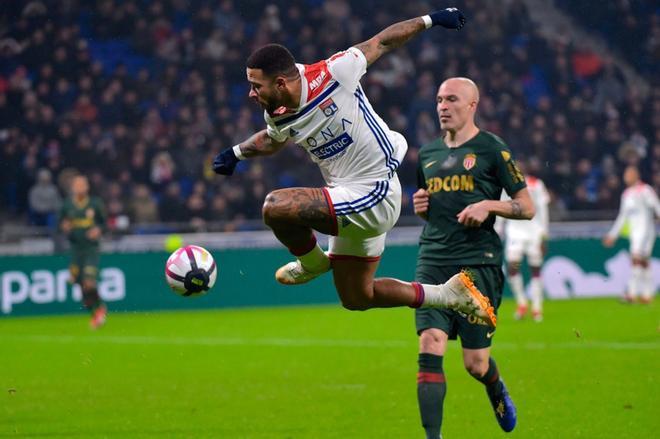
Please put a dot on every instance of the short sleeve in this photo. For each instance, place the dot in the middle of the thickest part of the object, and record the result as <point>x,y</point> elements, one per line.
<point>348,67</point>
<point>273,132</point>
<point>508,172</point>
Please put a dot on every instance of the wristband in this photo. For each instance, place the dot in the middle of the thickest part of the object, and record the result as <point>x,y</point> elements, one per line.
<point>237,152</point>
<point>428,23</point>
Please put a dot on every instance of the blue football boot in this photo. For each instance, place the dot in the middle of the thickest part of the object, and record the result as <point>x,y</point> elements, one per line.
<point>505,410</point>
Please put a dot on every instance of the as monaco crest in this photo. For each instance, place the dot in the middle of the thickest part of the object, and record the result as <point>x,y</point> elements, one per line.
<point>469,161</point>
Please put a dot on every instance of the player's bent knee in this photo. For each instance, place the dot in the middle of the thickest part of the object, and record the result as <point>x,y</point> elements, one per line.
<point>476,367</point>
<point>271,210</point>
<point>432,341</point>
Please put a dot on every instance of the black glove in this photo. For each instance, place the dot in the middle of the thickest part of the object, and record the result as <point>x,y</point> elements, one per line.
<point>225,162</point>
<point>451,18</point>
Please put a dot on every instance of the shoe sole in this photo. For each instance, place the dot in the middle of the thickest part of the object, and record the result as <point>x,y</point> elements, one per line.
<point>482,301</point>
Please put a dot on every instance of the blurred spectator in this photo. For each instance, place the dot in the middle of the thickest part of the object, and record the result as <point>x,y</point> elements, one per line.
<point>172,208</point>
<point>44,200</point>
<point>162,169</point>
<point>142,206</point>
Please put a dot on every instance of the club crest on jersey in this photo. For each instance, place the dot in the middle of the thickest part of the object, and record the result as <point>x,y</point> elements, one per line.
<point>469,161</point>
<point>328,107</point>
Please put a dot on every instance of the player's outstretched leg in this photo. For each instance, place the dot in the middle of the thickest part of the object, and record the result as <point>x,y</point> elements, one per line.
<point>500,400</point>
<point>293,215</point>
<point>460,294</point>
<point>358,290</point>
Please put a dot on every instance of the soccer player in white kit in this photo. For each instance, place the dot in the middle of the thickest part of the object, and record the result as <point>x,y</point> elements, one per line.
<point>527,239</point>
<point>323,109</point>
<point>639,206</point>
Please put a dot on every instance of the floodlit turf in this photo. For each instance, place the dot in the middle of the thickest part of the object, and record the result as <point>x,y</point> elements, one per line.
<point>589,371</point>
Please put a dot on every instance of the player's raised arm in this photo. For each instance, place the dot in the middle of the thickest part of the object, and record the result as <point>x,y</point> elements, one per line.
<point>399,33</point>
<point>259,144</point>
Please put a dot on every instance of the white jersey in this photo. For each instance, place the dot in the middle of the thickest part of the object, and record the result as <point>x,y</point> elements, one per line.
<point>538,225</point>
<point>336,124</point>
<point>639,205</point>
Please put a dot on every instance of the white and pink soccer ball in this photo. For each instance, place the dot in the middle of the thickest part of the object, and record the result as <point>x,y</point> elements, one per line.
<point>191,271</point>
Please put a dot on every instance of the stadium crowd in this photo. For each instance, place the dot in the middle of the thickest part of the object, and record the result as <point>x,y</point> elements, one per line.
<point>140,96</point>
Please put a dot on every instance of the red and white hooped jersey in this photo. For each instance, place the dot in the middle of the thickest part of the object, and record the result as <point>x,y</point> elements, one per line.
<point>336,124</point>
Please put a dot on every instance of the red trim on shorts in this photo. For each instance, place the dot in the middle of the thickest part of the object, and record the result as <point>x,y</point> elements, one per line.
<point>430,377</point>
<point>333,226</point>
<point>303,250</point>
<point>334,257</point>
<point>419,295</point>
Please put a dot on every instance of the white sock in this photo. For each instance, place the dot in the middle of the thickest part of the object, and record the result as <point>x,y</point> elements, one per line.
<point>442,295</point>
<point>315,259</point>
<point>537,294</point>
<point>635,280</point>
<point>518,289</point>
<point>647,283</point>
<point>435,295</point>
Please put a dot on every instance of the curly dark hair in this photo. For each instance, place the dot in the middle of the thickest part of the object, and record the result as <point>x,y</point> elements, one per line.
<point>273,59</point>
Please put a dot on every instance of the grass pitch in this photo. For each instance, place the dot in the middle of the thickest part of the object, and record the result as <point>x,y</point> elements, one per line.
<point>589,371</point>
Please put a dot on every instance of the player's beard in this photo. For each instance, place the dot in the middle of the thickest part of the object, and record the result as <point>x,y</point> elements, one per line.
<point>274,102</point>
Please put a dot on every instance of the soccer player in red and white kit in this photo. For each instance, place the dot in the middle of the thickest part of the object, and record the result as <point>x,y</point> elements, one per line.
<point>639,206</point>
<point>527,239</point>
<point>323,109</point>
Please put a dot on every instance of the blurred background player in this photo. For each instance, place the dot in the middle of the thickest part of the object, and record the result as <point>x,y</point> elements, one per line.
<point>639,206</point>
<point>461,177</point>
<point>323,108</point>
<point>527,239</point>
<point>83,219</point>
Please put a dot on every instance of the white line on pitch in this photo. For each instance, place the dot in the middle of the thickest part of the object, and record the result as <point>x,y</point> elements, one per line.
<point>310,342</point>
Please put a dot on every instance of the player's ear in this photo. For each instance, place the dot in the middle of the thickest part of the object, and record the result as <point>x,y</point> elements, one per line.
<point>280,82</point>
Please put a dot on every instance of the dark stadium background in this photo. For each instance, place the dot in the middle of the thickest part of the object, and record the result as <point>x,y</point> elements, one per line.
<point>140,96</point>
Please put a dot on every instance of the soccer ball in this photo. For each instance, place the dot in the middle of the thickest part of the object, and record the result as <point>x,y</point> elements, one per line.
<point>190,271</point>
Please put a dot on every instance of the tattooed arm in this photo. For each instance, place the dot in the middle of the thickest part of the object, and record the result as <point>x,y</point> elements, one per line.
<point>260,144</point>
<point>390,38</point>
<point>520,206</point>
<point>399,33</point>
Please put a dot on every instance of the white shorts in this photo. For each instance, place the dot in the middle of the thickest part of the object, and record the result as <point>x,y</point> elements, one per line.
<point>363,214</point>
<point>641,244</point>
<point>531,246</point>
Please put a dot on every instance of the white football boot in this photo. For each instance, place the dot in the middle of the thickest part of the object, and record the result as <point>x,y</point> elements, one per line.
<point>464,297</point>
<point>294,273</point>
